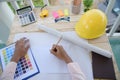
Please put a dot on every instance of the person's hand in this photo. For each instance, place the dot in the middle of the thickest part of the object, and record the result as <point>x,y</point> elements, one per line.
<point>76,2</point>
<point>60,53</point>
<point>21,48</point>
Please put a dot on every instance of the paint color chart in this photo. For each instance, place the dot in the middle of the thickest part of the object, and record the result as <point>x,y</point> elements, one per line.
<point>26,67</point>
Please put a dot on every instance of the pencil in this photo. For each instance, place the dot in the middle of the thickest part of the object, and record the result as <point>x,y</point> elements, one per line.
<point>57,43</point>
<point>59,40</point>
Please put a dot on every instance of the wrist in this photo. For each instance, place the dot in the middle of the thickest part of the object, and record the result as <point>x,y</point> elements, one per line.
<point>15,59</point>
<point>68,60</point>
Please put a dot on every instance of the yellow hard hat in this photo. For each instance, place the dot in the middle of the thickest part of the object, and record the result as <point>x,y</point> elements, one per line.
<point>92,24</point>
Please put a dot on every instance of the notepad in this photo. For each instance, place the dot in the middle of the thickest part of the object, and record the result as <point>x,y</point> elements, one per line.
<point>41,43</point>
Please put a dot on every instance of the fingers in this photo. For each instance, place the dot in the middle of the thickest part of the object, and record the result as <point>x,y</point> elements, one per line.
<point>23,38</point>
<point>27,47</point>
<point>55,48</point>
<point>52,51</point>
<point>24,42</point>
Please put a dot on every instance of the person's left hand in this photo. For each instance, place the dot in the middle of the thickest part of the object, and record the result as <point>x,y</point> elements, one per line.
<point>21,49</point>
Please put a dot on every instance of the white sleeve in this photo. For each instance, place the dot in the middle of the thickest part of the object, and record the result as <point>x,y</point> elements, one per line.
<point>76,72</point>
<point>8,73</point>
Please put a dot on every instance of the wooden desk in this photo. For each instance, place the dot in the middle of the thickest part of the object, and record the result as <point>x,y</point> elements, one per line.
<point>101,42</point>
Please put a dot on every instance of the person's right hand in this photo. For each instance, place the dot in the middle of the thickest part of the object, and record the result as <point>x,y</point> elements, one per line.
<point>60,53</point>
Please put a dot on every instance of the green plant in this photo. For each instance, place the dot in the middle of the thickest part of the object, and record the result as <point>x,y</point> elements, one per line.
<point>11,7</point>
<point>87,4</point>
<point>38,3</point>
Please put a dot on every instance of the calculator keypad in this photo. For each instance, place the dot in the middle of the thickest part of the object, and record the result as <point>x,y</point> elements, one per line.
<point>27,18</point>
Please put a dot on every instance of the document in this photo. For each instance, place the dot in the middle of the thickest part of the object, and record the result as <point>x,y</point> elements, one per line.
<point>41,43</point>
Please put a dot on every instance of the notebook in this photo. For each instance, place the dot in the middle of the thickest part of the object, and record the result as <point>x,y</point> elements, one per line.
<point>102,67</point>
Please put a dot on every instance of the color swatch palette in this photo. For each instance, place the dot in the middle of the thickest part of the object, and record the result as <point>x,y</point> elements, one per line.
<point>26,66</point>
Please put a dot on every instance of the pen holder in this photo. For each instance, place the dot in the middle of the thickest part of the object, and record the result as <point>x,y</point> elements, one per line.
<point>76,9</point>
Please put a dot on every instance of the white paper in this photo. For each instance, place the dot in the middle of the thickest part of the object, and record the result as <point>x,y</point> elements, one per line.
<point>77,42</point>
<point>41,43</point>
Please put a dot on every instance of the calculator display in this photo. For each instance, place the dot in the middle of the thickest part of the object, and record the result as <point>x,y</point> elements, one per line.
<point>24,10</point>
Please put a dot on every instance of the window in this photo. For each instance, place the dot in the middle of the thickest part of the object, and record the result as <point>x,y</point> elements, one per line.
<point>22,3</point>
<point>38,3</point>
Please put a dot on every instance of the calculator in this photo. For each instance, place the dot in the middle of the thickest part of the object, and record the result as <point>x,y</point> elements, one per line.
<point>26,67</point>
<point>26,15</point>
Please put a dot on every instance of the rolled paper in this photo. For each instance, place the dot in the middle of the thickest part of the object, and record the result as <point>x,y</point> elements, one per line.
<point>55,15</point>
<point>60,12</point>
<point>49,30</point>
<point>66,13</point>
<point>75,41</point>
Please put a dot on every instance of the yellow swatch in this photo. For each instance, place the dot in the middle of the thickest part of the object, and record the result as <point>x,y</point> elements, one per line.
<point>66,13</point>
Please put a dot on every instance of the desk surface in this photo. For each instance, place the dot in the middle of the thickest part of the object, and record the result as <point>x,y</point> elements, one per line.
<point>101,42</point>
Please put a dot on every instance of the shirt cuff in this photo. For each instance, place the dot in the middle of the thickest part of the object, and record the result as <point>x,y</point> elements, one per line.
<point>9,71</point>
<point>11,64</point>
<point>75,71</point>
<point>11,67</point>
<point>74,67</point>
